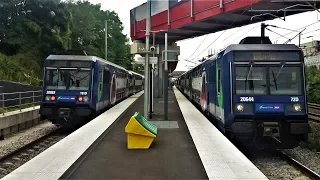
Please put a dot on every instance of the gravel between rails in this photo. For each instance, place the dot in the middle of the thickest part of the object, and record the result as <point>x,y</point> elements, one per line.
<point>306,157</point>
<point>273,166</point>
<point>18,142</point>
<point>19,139</point>
<point>276,168</point>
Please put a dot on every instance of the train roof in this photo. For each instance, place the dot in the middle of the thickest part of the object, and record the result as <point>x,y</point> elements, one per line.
<point>136,73</point>
<point>82,58</point>
<point>250,47</point>
<point>261,47</point>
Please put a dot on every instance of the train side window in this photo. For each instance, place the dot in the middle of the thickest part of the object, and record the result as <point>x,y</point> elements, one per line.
<point>100,74</point>
<point>106,77</point>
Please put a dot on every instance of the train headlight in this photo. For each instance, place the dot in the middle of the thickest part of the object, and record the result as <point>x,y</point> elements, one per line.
<point>50,98</point>
<point>85,99</point>
<point>80,98</point>
<point>53,98</point>
<point>297,107</point>
<point>239,107</point>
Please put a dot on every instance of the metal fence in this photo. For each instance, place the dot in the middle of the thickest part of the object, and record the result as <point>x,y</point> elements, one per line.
<point>19,100</point>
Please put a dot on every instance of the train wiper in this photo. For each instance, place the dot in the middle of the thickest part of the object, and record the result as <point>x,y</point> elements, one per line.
<point>275,81</point>
<point>245,82</point>
<point>58,77</point>
<point>279,71</point>
<point>276,78</point>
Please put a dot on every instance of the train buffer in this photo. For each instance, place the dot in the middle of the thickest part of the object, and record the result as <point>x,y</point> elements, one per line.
<point>140,132</point>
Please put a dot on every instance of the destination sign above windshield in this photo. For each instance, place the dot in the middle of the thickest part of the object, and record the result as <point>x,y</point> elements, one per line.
<point>68,63</point>
<point>267,56</point>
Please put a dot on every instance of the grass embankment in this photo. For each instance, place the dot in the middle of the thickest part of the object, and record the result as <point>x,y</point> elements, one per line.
<point>314,138</point>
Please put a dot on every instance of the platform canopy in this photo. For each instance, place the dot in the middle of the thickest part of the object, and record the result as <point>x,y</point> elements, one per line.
<point>192,18</point>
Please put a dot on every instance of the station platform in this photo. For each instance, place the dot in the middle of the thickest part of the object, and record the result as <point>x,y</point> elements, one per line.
<point>172,154</point>
<point>187,146</point>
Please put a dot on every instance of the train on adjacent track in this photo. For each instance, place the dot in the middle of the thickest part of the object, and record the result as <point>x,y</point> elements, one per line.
<point>254,92</point>
<point>77,87</point>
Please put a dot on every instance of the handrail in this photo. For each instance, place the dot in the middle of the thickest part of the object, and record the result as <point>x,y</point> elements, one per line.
<point>24,92</point>
<point>20,100</point>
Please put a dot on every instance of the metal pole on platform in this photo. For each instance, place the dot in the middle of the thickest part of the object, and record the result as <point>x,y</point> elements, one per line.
<point>166,78</point>
<point>146,66</point>
<point>106,38</point>
<point>152,93</point>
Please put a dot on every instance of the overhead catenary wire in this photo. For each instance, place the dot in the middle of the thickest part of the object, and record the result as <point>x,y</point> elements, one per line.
<point>210,44</point>
<point>297,30</point>
<point>244,33</point>
<point>224,31</point>
<point>198,47</point>
<point>310,31</point>
<point>207,36</point>
<point>277,33</point>
<point>284,35</point>
<point>238,29</point>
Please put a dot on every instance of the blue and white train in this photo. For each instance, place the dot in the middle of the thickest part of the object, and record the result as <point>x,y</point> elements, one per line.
<point>254,92</point>
<point>77,87</point>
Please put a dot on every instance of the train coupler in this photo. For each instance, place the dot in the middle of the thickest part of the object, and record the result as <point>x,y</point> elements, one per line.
<point>64,113</point>
<point>271,129</point>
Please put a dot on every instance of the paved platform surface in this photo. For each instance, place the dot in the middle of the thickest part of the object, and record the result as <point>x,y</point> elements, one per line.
<point>172,155</point>
<point>56,160</point>
<point>221,159</point>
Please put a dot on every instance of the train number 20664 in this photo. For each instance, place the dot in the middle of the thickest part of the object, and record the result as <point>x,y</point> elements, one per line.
<point>246,99</point>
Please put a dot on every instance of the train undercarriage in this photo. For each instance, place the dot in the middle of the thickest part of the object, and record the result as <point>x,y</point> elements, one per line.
<point>67,117</point>
<point>271,134</point>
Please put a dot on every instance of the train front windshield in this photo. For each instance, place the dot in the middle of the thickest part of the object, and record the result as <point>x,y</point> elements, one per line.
<point>74,77</point>
<point>268,80</point>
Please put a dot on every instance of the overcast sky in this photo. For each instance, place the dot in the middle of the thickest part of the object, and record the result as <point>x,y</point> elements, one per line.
<point>233,36</point>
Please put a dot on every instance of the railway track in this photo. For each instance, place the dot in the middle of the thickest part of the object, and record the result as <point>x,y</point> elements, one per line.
<point>314,112</point>
<point>302,168</point>
<point>276,164</point>
<point>17,158</point>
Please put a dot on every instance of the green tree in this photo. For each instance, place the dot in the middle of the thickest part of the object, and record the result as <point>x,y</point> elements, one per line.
<point>33,29</point>
<point>313,84</point>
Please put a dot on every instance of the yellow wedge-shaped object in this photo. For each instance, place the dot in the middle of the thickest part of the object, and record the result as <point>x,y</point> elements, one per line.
<point>138,137</point>
<point>134,127</point>
<point>138,141</point>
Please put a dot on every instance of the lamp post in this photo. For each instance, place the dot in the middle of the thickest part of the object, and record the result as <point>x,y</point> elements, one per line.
<point>106,38</point>
<point>146,72</point>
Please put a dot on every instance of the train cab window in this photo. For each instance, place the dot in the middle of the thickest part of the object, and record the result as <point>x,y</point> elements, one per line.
<point>67,78</point>
<point>250,80</point>
<point>285,80</point>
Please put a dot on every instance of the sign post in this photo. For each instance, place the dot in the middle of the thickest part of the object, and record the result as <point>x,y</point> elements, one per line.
<point>166,79</point>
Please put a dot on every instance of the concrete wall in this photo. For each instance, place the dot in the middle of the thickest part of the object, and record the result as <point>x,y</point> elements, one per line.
<point>15,121</point>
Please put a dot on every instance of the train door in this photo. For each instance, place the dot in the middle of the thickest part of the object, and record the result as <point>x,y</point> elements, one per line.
<point>134,84</point>
<point>203,95</point>
<point>219,104</point>
<point>127,85</point>
<point>190,85</point>
<point>106,85</point>
<point>212,88</point>
<point>100,88</point>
